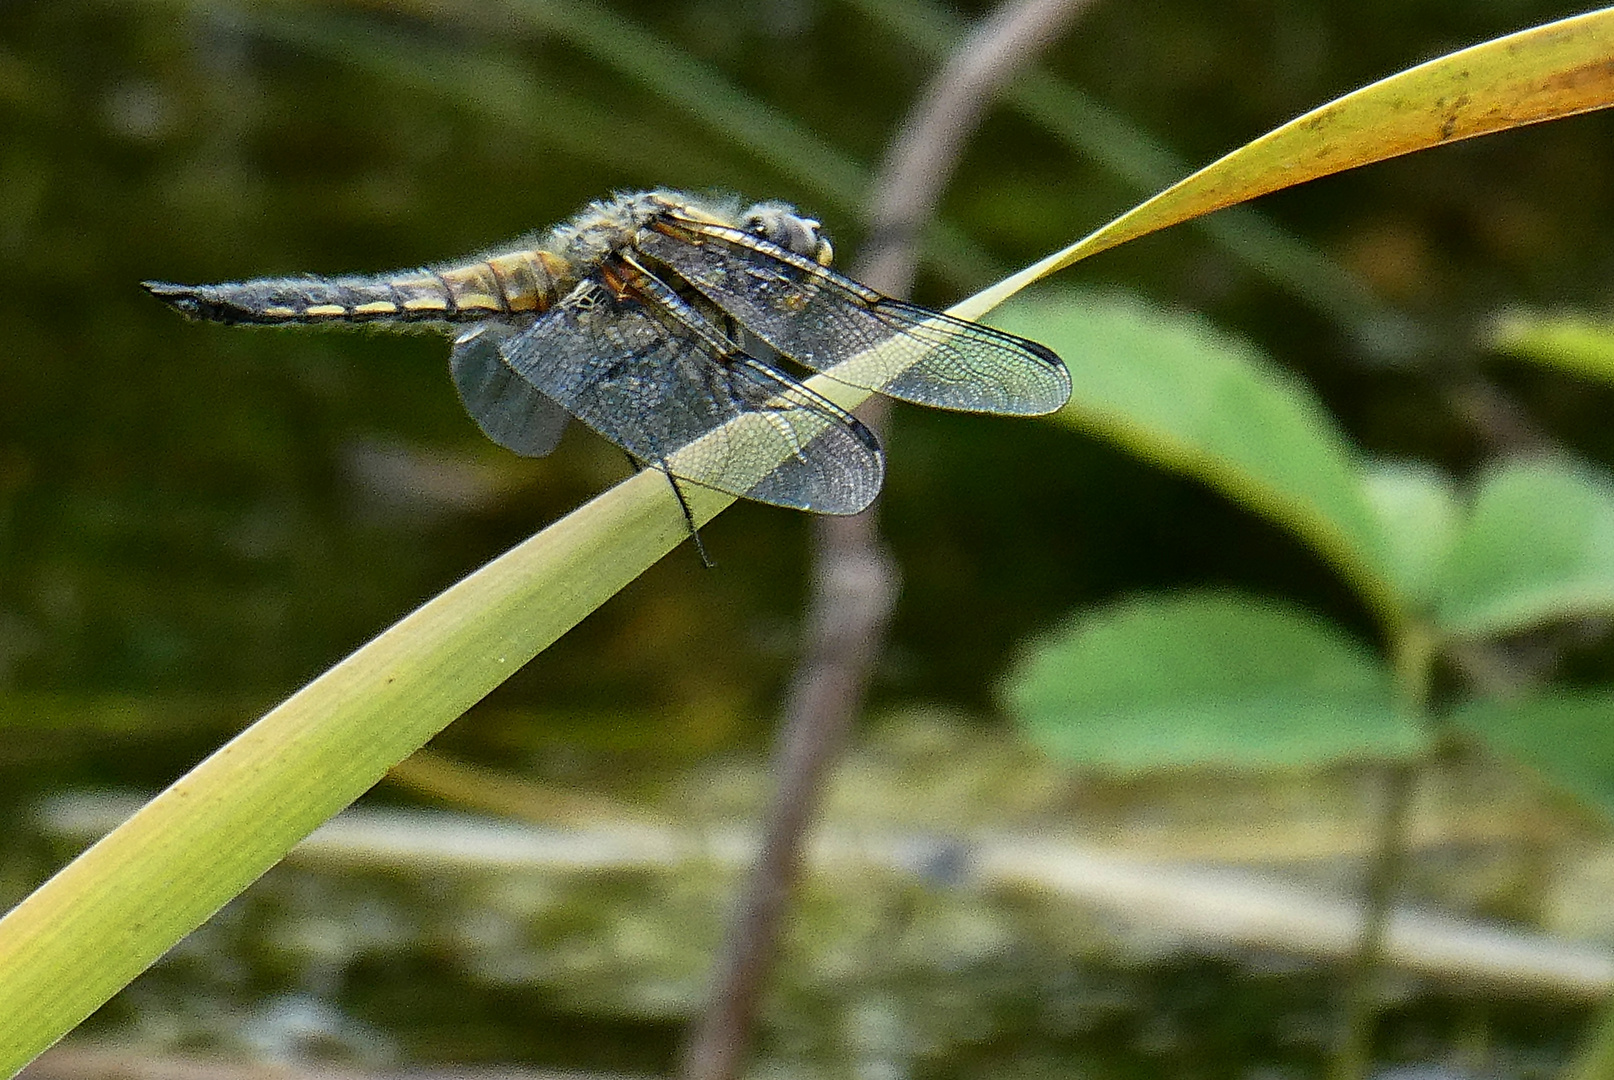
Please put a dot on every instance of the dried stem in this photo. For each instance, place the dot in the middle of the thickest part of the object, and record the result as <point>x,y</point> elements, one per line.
<point>855,580</point>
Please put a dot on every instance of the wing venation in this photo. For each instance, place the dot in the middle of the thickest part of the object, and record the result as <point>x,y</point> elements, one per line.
<point>653,377</point>
<point>832,324</point>
<point>510,410</point>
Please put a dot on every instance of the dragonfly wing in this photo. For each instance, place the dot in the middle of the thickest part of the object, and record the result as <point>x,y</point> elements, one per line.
<point>823,319</point>
<point>509,409</point>
<point>651,380</point>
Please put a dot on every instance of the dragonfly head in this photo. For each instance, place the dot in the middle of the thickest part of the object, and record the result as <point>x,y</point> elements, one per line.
<point>780,224</point>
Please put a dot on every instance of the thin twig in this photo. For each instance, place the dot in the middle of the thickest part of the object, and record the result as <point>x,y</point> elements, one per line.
<point>1359,1012</point>
<point>855,580</point>
<point>921,159</point>
<point>1414,655</point>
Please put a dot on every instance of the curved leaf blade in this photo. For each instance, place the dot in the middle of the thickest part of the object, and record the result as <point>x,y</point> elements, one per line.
<point>1540,74</point>
<point>1538,546</point>
<point>1580,344</point>
<point>1116,144</point>
<point>1568,738</point>
<point>120,905</point>
<point>1175,390</point>
<point>1420,514</point>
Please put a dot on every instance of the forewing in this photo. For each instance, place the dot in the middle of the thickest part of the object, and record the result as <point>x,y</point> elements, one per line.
<point>823,319</point>
<point>645,378</point>
<point>509,410</point>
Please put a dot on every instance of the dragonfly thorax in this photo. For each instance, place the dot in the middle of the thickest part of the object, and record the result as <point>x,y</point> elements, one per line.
<point>610,226</point>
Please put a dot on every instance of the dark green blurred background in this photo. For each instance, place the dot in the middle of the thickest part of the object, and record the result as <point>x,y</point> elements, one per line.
<point>195,519</point>
<point>203,512</point>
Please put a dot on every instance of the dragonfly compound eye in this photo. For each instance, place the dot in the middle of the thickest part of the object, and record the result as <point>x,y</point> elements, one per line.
<point>780,224</point>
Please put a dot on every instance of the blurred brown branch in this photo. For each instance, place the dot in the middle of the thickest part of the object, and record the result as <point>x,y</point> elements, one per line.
<point>855,581</point>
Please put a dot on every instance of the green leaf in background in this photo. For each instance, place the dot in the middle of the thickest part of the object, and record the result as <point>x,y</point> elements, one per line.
<point>1578,343</point>
<point>1418,509</point>
<point>1177,391</point>
<point>1569,738</point>
<point>1538,546</point>
<point>1208,678</point>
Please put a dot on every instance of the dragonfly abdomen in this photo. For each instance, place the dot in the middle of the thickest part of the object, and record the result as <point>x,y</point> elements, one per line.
<point>502,285</point>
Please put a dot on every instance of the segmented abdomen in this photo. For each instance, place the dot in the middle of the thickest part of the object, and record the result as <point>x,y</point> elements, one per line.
<point>509,284</point>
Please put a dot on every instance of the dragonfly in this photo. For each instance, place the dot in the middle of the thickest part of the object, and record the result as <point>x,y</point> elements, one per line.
<point>677,327</point>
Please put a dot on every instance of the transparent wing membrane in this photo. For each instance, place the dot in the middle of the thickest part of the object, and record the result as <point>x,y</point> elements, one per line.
<point>656,379</point>
<point>509,409</point>
<point>822,319</point>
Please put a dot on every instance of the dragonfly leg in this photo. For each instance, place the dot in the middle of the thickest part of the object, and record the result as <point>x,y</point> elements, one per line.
<point>683,504</point>
<point>689,520</point>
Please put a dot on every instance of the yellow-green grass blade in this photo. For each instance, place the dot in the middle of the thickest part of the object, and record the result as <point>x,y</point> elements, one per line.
<point>115,909</point>
<point>1544,73</point>
<point>1119,147</point>
<point>1578,343</point>
<point>123,903</point>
